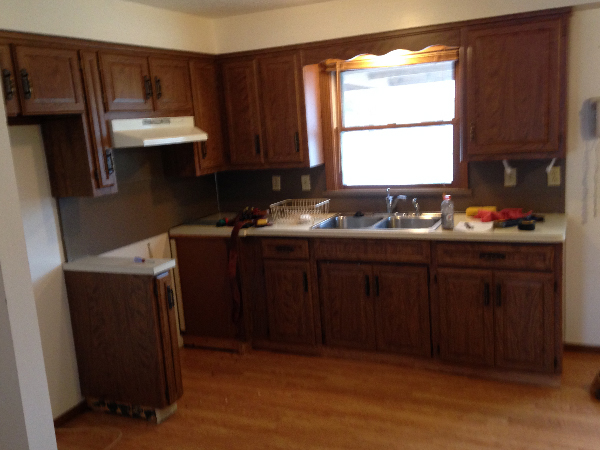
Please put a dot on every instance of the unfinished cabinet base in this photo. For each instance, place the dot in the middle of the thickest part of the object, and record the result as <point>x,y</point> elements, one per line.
<point>156,415</point>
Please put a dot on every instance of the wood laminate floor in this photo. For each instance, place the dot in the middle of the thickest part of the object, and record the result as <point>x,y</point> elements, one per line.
<point>264,400</point>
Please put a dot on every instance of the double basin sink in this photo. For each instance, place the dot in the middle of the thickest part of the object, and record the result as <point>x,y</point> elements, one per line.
<point>425,221</point>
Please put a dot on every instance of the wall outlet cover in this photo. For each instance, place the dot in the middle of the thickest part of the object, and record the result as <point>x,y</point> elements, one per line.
<point>305,180</point>
<point>554,176</point>
<point>276,180</point>
<point>510,178</point>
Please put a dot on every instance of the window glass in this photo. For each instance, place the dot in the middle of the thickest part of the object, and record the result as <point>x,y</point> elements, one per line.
<point>398,156</point>
<point>398,95</point>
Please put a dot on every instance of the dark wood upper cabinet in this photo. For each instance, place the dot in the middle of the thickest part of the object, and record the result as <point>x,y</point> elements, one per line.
<point>524,320</point>
<point>281,91</point>
<point>206,90</point>
<point>466,316</point>
<point>402,309</point>
<point>171,83</point>
<point>9,87</point>
<point>348,314</point>
<point>126,81</point>
<point>515,90</point>
<point>289,302</point>
<point>246,144</point>
<point>49,80</point>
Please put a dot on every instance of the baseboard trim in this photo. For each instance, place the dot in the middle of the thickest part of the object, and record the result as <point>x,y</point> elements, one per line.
<point>581,348</point>
<point>75,411</point>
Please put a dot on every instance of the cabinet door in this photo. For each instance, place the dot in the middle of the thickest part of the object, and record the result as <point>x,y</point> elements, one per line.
<point>466,316</point>
<point>205,287</point>
<point>524,320</point>
<point>289,302</point>
<point>50,80</point>
<point>513,87</point>
<point>9,88</point>
<point>126,81</point>
<point>346,298</point>
<point>100,152</point>
<point>402,309</point>
<point>207,107</point>
<point>281,88</point>
<point>171,82</point>
<point>243,120</point>
<point>169,337</point>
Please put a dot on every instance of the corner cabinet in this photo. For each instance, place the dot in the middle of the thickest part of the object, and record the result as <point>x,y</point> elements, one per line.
<point>125,333</point>
<point>515,90</point>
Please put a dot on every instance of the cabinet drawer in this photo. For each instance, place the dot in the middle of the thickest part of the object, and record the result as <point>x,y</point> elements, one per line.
<point>383,250</point>
<point>285,248</point>
<point>528,257</point>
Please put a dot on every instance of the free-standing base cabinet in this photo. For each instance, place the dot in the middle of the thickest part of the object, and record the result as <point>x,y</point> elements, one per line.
<point>125,334</point>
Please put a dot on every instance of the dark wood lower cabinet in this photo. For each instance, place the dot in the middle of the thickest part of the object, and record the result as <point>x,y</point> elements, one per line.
<point>289,302</point>
<point>125,334</point>
<point>466,316</point>
<point>402,309</point>
<point>348,310</point>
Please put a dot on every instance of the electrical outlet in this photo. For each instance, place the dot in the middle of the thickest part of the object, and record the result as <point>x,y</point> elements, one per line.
<point>305,180</point>
<point>510,178</point>
<point>554,176</point>
<point>276,182</point>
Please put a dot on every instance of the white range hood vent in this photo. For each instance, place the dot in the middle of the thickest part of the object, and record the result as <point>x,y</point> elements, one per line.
<point>155,131</point>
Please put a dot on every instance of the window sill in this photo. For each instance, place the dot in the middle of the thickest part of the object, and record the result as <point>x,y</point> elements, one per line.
<point>379,192</point>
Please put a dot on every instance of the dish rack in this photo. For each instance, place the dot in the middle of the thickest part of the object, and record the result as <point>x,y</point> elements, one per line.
<point>290,210</point>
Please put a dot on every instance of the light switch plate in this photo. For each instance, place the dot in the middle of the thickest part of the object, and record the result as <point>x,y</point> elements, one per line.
<point>276,180</point>
<point>510,178</point>
<point>554,176</point>
<point>305,180</point>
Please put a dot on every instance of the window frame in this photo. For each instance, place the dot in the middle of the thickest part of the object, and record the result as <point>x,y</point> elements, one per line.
<point>332,113</point>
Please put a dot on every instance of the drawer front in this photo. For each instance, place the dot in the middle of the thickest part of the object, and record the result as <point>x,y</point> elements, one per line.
<point>527,257</point>
<point>383,250</point>
<point>285,248</point>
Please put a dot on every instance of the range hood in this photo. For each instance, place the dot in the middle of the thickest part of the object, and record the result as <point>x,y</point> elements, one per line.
<point>155,131</point>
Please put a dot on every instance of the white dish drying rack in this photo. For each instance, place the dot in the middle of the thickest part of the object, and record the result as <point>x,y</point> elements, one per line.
<point>298,210</point>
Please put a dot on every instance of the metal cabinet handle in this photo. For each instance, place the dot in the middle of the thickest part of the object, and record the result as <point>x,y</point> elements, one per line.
<point>170,297</point>
<point>367,286</point>
<point>498,295</point>
<point>9,85</point>
<point>27,85</point>
<point>305,279</point>
<point>158,87</point>
<point>297,141</point>
<point>486,294</point>
<point>257,144</point>
<point>492,255</point>
<point>110,166</point>
<point>148,87</point>
<point>203,149</point>
<point>472,132</point>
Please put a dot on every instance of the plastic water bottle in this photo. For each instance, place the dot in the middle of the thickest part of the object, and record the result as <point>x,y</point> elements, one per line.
<point>447,213</point>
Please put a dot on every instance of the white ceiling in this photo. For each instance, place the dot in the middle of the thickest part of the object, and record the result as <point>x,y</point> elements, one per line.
<point>223,8</point>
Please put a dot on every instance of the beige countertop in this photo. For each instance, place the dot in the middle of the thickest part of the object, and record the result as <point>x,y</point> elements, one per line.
<point>552,230</point>
<point>109,264</point>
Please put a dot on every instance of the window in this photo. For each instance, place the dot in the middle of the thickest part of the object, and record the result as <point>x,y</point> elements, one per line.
<point>395,120</point>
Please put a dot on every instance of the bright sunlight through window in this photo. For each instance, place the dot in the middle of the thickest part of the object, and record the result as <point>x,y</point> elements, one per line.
<point>397,125</point>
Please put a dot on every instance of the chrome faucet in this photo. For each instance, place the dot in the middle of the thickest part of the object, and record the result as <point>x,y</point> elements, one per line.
<point>390,201</point>
<point>416,205</point>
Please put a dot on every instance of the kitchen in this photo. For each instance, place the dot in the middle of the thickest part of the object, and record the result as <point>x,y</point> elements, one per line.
<point>102,24</point>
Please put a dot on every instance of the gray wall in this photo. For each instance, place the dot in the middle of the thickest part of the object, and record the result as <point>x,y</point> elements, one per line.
<point>146,205</point>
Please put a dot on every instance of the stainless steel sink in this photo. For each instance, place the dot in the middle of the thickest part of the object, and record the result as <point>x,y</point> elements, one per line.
<point>349,222</point>
<point>431,221</point>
